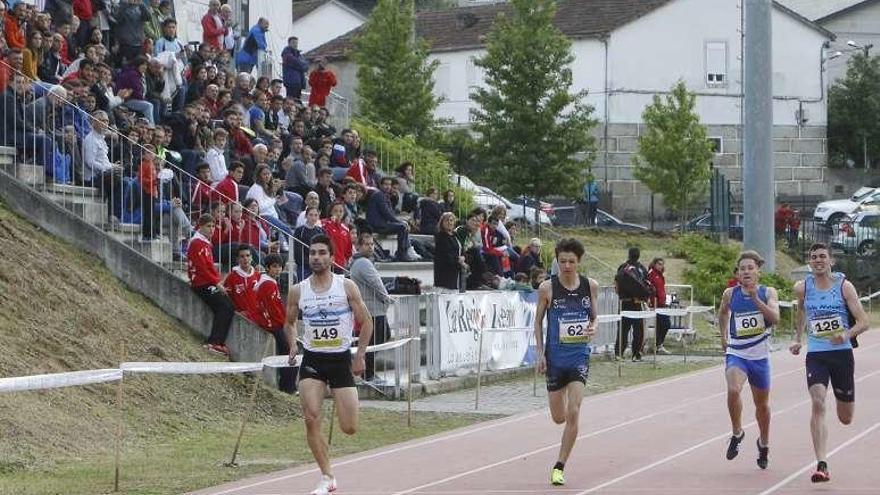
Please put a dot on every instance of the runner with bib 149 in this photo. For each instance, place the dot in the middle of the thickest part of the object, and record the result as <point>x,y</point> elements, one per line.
<point>747,315</point>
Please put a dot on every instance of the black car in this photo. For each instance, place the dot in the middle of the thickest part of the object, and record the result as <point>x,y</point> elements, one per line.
<point>703,223</point>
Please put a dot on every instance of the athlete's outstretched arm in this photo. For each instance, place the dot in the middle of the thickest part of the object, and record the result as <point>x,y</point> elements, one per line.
<point>851,296</point>
<point>799,317</point>
<point>365,322</point>
<point>543,303</point>
<point>724,318</point>
<point>290,321</point>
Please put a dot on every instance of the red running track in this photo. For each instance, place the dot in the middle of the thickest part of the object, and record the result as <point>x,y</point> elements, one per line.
<point>665,437</point>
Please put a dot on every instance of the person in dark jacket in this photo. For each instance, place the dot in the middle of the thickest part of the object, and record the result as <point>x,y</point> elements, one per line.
<point>133,78</point>
<point>20,132</point>
<point>631,301</point>
<point>131,17</point>
<point>381,218</point>
<point>448,254</point>
<point>430,211</point>
<point>294,67</point>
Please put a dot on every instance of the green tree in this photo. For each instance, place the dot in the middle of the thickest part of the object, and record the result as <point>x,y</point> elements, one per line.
<point>395,78</point>
<point>530,125</point>
<point>674,154</point>
<point>853,107</point>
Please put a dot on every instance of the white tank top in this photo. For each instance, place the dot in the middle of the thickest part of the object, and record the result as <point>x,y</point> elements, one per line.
<point>327,317</point>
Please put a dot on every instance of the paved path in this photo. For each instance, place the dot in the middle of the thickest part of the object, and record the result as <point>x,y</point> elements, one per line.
<point>665,437</point>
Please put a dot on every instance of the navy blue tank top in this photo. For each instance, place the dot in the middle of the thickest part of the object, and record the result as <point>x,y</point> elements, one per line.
<point>567,320</point>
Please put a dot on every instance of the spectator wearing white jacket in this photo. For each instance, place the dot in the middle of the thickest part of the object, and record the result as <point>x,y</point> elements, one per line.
<point>215,157</point>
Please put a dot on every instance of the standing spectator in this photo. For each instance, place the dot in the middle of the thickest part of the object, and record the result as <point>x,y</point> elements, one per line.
<point>339,234</point>
<point>149,182</point>
<point>273,314</point>
<point>302,238</point>
<point>365,275</point>
<point>448,202</point>
<point>131,17</point>
<point>430,212</point>
<point>448,254</point>
<point>494,251</point>
<point>294,67</point>
<point>153,28</point>
<point>321,81</point>
<point>240,284</point>
<point>231,36</point>
<point>206,282</point>
<point>658,281</point>
<point>469,237</point>
<point>254,48</point>
<point>213,30</point>
<point>633,289</point>
<point>381,218</point>
<point>591,197</point>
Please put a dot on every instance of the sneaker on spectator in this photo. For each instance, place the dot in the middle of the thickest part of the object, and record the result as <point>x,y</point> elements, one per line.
<point>411,252</point>
<point>662,350</point>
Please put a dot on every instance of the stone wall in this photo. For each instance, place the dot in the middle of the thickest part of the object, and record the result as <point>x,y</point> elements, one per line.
<point>799,155</point>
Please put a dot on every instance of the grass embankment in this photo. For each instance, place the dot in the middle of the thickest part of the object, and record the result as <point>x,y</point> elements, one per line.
<point>62,310</point>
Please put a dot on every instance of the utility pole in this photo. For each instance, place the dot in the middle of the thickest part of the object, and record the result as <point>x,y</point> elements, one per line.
<point>758,178</point>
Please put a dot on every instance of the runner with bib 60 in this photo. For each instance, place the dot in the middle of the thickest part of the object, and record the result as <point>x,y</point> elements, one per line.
<point>747,315</point>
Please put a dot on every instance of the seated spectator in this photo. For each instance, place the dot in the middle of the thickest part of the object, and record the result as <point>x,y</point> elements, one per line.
<point>228,188</point>
<point>97,169</point>
<point>302,238</point>
<point>430,212</point>
<point>273,314</point>
<point>381,219</point>
<point>494,252</point>
<point>448,202</point>
<point>203,194</point>
<point>216,156</point>
<point>33,54</point>
<point>205,280</point>
<point>351,195</point>
<point>52,67</point>
<point>339,234</point>
<point>149,182</point>
<point>327,191</point>
<point>530,257</point>
<point>312,200</point>
<point>364,171</point>
<point>132,78</point>
<point>537,276</point>
<point>506,238</point>
<point>240,144</point>
<point>263,191</point>
<point>449,259</point>
<point>341,156</point>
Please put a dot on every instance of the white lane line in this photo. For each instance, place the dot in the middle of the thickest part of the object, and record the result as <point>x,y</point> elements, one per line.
<point>809,466</point>
<point>580,437</point>
<point>697,446</point>
<point>459,434</point>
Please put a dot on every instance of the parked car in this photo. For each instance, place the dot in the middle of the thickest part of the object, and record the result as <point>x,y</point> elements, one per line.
<point>609,221</point>
<point>542,205</point>
<point>831,212</point>
<point>703,223</point>
<point>859,234</point>
<point>488,199</point>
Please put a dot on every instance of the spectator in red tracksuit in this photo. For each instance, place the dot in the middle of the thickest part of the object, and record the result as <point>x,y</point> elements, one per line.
<point>658,281</point>
<point>493,254</point>
<point>240,285</point>
<point>321,81</point>
<point>149,180</point>
<point>274,315</point>
<point>205,280</point>
<point>202,193</point>
<point>227,189</point>
<point>340,236</point>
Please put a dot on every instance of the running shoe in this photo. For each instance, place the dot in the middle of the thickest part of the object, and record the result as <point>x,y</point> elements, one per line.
<point>220,349</point>
<point>326,486</point>
<point>762,455</point>
<point>733,446</point>
<point>557,478</point>
<point>821,474</point>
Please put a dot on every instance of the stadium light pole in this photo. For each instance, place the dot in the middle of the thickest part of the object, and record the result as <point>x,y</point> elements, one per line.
<point>758,178</point>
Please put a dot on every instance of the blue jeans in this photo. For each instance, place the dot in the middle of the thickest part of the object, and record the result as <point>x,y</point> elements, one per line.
<point>143,107</point>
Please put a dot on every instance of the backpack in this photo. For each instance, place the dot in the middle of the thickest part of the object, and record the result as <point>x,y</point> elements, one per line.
<point>250,45</point>
<point>630,285</point>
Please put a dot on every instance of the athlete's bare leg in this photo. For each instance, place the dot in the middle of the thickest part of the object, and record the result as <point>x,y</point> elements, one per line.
<point>818,429</point>
<point>346,408</point>
<point>735,380</point>
<point>574,393</point>
<point>762,413</point>
<point>311,397</point>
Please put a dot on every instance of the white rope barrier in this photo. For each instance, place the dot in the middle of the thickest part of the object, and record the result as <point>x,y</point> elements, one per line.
<point>674,312</point>
<point>58,380</point>
<point>637,315</point>
<point>203,368</point>
<point>608,318</point>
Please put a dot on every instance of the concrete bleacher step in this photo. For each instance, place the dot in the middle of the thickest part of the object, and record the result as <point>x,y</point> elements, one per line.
<point>92,212</point>
<point>158,251</point>
<point>421,270</point>
<point>29,174</point>
<point>71,193</point>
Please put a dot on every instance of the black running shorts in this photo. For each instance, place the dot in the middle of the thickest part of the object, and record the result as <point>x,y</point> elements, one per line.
<point>332,368</point>
<point>558,377</point>
<point>836,366</point>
